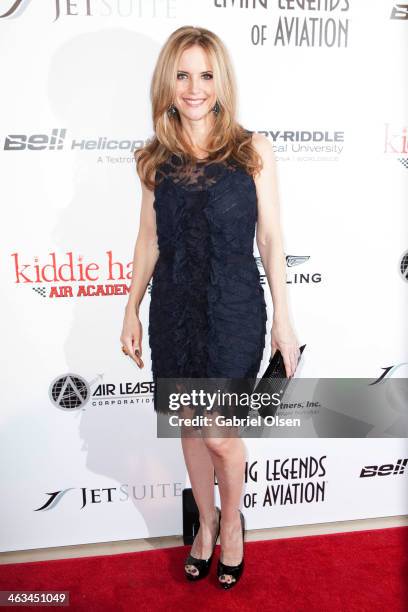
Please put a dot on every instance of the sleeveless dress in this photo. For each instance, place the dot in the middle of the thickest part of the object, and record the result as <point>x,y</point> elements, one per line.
<point>207,313</point>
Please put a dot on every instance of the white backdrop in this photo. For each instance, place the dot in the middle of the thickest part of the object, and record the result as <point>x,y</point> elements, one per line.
<point>79,454</point>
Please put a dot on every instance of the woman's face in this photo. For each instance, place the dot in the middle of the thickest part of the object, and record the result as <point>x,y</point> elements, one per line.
<point>195,95</point>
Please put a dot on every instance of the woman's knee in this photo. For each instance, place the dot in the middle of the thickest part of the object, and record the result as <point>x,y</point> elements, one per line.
<point>219,446</point>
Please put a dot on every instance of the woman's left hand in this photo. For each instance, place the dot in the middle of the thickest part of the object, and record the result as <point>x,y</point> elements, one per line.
<point>284,339</point>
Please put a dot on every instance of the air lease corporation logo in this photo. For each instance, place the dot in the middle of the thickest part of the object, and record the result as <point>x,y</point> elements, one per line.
<point>69,392</point>
<point>293,278</point>
<point>72,392</point>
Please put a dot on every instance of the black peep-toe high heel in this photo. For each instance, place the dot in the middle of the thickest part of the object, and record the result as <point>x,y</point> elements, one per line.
<point>232,570</point>
<point>202,565</point>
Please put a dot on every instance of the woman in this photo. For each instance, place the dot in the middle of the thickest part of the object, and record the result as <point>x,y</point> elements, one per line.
<point>206,184</point>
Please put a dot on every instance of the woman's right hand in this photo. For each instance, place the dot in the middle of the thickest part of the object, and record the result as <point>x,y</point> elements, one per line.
<point>131,336</point>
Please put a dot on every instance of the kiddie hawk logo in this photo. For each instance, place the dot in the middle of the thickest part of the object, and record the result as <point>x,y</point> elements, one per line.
<point>70,275</point>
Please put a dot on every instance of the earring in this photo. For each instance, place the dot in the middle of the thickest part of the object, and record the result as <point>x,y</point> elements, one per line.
<point>216,108</point>
<point>172,110</point>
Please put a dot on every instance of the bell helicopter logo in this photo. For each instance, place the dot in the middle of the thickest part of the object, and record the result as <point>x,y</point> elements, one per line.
<point>388,469</point>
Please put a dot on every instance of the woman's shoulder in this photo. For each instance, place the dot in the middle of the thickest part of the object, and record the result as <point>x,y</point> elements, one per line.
<point>259,140</point>
<point>263,146</point>
<point>261,143</point>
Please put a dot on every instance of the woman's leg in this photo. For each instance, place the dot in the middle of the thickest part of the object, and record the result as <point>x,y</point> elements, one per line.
<point>201,473</point>
<point>228,456</point>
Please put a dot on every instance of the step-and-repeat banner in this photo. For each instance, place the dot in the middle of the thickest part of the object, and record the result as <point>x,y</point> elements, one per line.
<point>324,80</point>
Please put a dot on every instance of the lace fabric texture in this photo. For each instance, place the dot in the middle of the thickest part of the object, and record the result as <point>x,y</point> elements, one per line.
<point>199,176</point>
<point>207,315</point>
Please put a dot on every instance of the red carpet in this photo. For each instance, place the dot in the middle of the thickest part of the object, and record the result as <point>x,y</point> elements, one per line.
<point>362,571</point>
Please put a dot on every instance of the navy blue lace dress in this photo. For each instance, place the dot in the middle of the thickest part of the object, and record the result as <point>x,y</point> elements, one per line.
<point>207,315</point>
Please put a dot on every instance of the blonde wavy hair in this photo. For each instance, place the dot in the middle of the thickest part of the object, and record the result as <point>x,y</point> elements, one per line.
<point>227,139</point>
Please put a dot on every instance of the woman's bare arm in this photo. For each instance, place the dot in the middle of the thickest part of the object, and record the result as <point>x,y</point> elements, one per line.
<point>146,250</point>
<point>146,253</point>
<point>270,245</point>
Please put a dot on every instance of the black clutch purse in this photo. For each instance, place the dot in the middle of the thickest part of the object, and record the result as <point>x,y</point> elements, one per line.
<point>274,381</point>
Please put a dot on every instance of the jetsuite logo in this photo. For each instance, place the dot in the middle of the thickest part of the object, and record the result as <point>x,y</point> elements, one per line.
<point>399,11</point>
<point>71,392</point>
<point>293,278</point>
<point>387,469</point>
<point>13,9</point>
<point>389,372</point>
<point>84,496</point>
